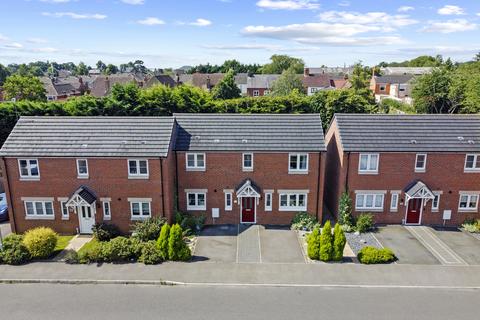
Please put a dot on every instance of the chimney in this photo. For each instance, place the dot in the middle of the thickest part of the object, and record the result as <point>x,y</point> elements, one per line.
<point>208,83</point>
<point>107,85</point>
<point>306,72</point>
<point>177,78</point>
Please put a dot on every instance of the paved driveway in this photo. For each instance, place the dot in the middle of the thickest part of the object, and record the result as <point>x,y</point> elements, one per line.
<point>464,245</point>
<point>248,244</point>
<point>406,247</point>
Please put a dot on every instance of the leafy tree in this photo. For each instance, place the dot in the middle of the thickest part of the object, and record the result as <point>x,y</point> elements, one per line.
<point>227,88</point>
<point>4,73</point>
<point>339,242</point>
<point>431,92</point>
<point>326,242</point>
<point>111,69</point>
<point>101,66</point>
<point>280,63</point>
<point>477,57</point>
<point>465,87</point>
<point>345,210</point>
<point>24,88</point>
<point>82,69</point>
<point>288,82</point>
<point>360,77</point>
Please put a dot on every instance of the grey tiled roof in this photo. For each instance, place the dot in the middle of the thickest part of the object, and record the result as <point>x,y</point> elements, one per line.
<point>249,132</point>
<point>409,133</point>
<point>404,78</point>
<point>90,137</point>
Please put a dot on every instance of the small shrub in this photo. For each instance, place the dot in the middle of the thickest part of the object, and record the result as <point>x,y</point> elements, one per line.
<point>148,229</point>
<point>95,253</point>
<point>365,222</point>
<point>136,247</point>
<point>339,242</point>
<point>345,210</point>
<point>150,253</point>
<point>347,228</point>
<point>189,223</point>
<point>14,252</point>
<point>371,255</point>
<point>177,248</point>
<point>40,242</point>
<point>105,231</point>
<point>162,241</point>
<point>471,225</point>
<point>117,250</point>
<point>72,257</point>
<point>326,243</point>
<point>313,244</point>
<point>304,221</point>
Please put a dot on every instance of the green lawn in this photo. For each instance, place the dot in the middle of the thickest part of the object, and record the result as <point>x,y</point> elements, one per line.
<point>87,246</point>
<point>61,244</point>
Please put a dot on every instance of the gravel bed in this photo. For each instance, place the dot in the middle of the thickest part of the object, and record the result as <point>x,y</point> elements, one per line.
<point>358,241</point>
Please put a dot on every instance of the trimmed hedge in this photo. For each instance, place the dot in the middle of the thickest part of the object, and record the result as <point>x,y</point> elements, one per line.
<point>40,242</point>
<point>14,252</point>
<point>371,255</point>
<point>150,253</point>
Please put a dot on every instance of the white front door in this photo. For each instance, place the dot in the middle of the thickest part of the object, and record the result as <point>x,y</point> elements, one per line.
<point>86,218</point>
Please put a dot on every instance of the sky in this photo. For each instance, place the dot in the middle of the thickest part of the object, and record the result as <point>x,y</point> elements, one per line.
<point>173,33</point>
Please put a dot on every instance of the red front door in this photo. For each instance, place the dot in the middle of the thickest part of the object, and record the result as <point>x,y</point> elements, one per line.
<point>248,210</point>
<point>413,212</point>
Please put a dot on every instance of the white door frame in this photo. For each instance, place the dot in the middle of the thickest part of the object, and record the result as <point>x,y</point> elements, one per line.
<point>79,213</point>
<point>421,213</point>
<point>254,210</point>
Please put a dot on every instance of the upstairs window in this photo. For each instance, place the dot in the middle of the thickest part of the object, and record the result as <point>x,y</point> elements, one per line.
<point>196,161</point>
<point>138,168</point>
<point>298,163</point>
<point>247,163</point>
<point>368,163</point>
<point>421,162</point>
<point>29,169</point>
<point>472,162</point>
<point>82,168</point>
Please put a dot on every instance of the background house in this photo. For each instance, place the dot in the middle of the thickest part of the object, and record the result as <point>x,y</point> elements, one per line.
<point>260,84</point>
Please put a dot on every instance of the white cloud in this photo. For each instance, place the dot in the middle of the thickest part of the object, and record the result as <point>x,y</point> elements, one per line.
<point>134,2</point>
<point>3,38</point>
<point>73,15</point>
<point>288,4</point>
<point>344,4</point>
<point>450,26</point>
<point>450,10</point>
<point>55,1</point>
<point>383,20</point>
<point>45,50</point>
<point>248,46</point>
<point>37,40</point>
<point>405,9</point>
<point>13,45</point>
<point>200,22</point>
<point>151,21</point>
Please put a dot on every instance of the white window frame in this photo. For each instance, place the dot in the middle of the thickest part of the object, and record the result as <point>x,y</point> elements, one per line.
<point>369,160</point>
<point>82,175</point>
<point>424,168</point>
<point>394,199</point>
<point>37,216</point>
<point>228,195</point>
<point>107,202</point>
<point>195,167</point>
<point>475,161</point>
<point>244,168</point>
<point>289,194</point>
<point>436,208</point>
<point>469,196</point>
<point>29,176</point>
<point>297,170</point>
<point>196,207</point>
<point>256,93</point>
<point>367,193</point>
<point>268,196</point>
<point>138,175</point>
<point>65,214</point>
<point>140,202</point>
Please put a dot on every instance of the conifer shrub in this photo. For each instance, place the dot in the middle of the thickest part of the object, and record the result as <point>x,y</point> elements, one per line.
<point>313,244</point>
<point>162,241</point>
<point>339,242</point>
<point>177,248</point>
<point>326,243</point>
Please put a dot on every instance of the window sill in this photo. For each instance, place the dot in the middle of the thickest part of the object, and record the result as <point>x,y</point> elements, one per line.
<point>368,210</point>
<point>292,209</point>
<point>139,218</point>
<point>83,177</point>
<point>65,218</point>
<point>138,177</point>
<point>471,170</point>
<point>468,210</point>
<point>196,209</point>
<point>368,172</point>
<point>297,172</point>
<point>435,210</point>
<point>107,218</point>
<point>393,210</point>
<point>39,218</point>
<point>29,179</point>
<point>196,169</point>
<point>420,170</point>
<point>247,170</point>
<point>228,209</point>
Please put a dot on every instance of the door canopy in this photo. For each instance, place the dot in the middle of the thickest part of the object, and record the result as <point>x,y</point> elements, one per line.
<point>418,190</point>
<point>83,196</point>
<point>248,189</point>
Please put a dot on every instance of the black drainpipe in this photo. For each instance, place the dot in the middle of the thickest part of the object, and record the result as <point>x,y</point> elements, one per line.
<point>318,182</point>
<point>348,170</point>
<point>163,190</point>
<point>10,196</point>
<point>176,180</point>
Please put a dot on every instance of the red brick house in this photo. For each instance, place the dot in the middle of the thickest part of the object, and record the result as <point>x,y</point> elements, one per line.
<point>411,169</point>
<point>71,172</point>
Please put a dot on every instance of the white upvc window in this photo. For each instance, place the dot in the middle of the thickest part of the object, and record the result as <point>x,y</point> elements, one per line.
<point>298,163</point>
<point>256,93</point>
<point>394,201</point>
<point>29,169</point>
<point>368,163</point>
<point>292,200</point>
<point>472,163</point>
<point>82,168</point>
<point>228,200</point>
<point>64,209</point>
<point>137,169</point>
<point>468,202</point>
<point>247,161</point>
<point>196,200</point>
<point>39,209</point>
<point>421,162</point>
<point>369,201</point>
<point>107,211</point>
<point>268,200</point>
<point>266,92</point>
<point>195,161</point>
<point>140,209</point>
<point>436,201</point>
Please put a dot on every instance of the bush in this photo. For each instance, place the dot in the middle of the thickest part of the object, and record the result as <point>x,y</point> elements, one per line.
<point>40,242</point>
<point>313,244</point>
<point>162,241</point>
<point>339,242</point>
<point>326,240</point>
<point>150,253</point>
<point>72,257</point>
<point>148,229</point>
<point>371,255</point>
<point>177,248</point>
<point>136,247</point>
<point>304,221</point>
<point>345,210</point>
<point>105,231</point>
<point>365,223</point>
<point>14,251</point>
<point>117,250</point>
<point>95,253</point>
<point>471,225</point>
<point>190,223</point>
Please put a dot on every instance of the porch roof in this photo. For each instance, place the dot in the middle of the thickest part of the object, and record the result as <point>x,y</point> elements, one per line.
<point>418,189</point>
<point>82,195</point>
<point>248,188</point>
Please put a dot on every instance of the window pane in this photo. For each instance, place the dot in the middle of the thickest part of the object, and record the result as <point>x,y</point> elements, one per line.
<point>228,197</point>
<point>191,160</point>
<point>369,201</point>
<point>48,208</point>
<point>363,162</point>
<point>106,209</point>
<point>292,200</point>
<point>132,164</point>
<point>303,162</point>
<point>378,201</point>
<point>394,201</point>
<point>283,200</point>
<point>268,199</point>
<point>23,168</point>
<point>247,160</point>
<point>64,209</point>
<point>39,208</point>
<point>373,162</point>
<point>301,200</point>
<point>420,161</point>
<point>201,199</point>
<point>33,168</point>
<point>473,202</point>
<point>463,201</point>
<point>30,210</point>
<point>200,160</point>
<point>477,164</point>
<point>135,209</point>
<point>145,209</point>
<point>470,162</point>
<point>191,199</point>
<point>143,167</point>
<point>293,162</point>
<point>360,200</point>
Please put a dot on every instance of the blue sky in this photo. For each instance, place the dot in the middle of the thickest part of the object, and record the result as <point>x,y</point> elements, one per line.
<point>172,33</point>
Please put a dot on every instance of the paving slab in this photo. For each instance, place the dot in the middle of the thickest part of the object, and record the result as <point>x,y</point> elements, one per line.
<point>280,245</point>
<point>248,245</point>
<point>406,247</point>
<point>464,245</point>
<point>217,244</point>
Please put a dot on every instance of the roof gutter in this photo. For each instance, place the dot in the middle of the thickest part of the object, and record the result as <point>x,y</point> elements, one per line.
<point>348,171</point>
